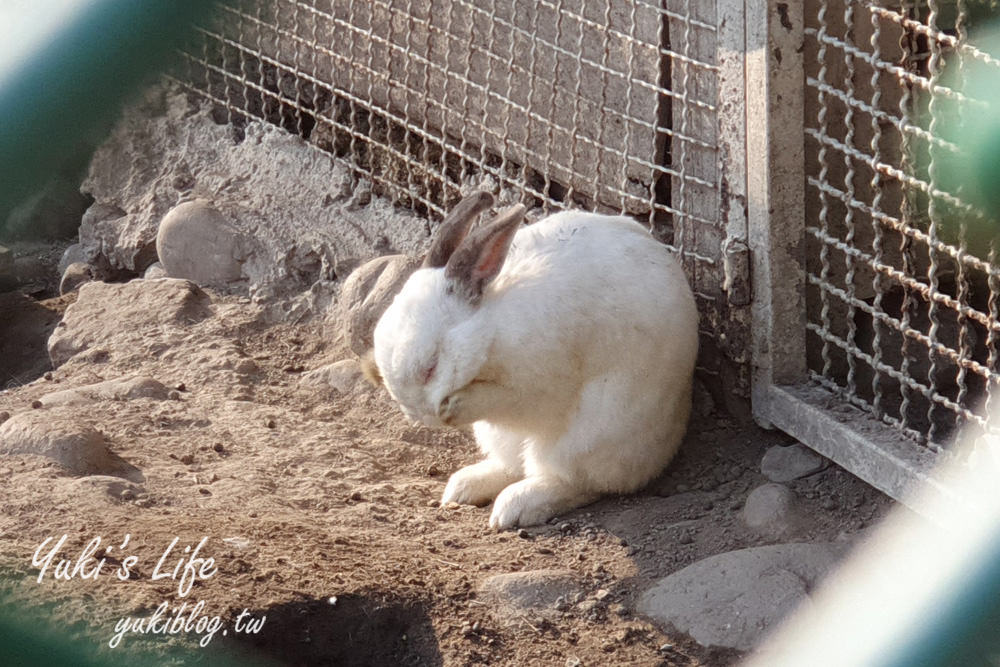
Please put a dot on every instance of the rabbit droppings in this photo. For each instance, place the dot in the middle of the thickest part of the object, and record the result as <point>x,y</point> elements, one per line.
<point>568,344</point>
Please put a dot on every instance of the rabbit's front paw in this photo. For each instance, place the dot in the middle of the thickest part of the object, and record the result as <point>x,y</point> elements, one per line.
<point>477,484</point>
<point>535,500</point>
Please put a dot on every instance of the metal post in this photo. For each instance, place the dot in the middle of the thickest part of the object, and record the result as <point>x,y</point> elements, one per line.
<point>775,195</point>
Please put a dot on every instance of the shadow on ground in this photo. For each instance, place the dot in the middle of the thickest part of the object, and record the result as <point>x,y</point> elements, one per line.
<point>347,631</point>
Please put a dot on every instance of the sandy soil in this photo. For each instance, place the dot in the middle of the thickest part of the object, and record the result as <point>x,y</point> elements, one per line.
<point>320,510</point>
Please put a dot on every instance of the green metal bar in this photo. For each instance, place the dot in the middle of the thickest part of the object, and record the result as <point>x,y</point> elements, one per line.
<point>65,91</point>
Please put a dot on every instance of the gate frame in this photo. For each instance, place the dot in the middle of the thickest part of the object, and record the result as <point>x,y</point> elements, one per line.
<point>782,396</point>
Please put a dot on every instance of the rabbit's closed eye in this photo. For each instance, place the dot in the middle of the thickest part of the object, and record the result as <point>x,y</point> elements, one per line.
<point>428,373</point>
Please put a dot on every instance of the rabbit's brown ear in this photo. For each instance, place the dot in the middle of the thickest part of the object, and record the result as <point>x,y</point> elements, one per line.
<point>370,368</point>
<point>455,227</point>
<point>481,255</point>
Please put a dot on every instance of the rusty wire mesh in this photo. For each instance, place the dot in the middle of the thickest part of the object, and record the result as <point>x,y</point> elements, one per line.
<point>592,104</point>
<point>903,291</point>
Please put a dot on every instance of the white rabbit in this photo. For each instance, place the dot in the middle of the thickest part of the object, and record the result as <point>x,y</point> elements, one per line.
<point>568,344</point>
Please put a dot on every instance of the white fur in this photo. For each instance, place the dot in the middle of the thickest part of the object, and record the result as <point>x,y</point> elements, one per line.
<point>575,367</point>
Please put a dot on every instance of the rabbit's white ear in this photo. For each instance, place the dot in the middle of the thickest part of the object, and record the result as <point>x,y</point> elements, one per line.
<point>455,227</point>
<point>481,255</point>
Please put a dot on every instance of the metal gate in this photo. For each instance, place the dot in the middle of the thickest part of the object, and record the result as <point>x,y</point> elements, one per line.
<point>896,280</point>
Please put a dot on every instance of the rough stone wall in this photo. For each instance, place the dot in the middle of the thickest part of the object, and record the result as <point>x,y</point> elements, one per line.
<point>302,216</point>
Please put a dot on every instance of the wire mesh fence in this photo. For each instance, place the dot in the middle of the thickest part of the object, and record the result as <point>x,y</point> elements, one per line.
<point>593,104</point>
<point>903,293</point>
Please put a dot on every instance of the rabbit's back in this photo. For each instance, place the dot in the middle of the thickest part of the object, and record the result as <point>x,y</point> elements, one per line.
<point>583,295</point>
<point>605,273</point>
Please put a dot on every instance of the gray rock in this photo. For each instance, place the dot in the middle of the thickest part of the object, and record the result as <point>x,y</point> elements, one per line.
<point>535,591</point>
<point>75,275</point>
<point>733,600</point>
<point>196,242</point>
<point>154,271</point>
<point>783,464</point>
<point>71,255</point>
<point>119,389</point>
<point>75,446</point>
<point>131,314</point>
<point>772,510</point>
<point>366,294</point>
<point>342,375</point>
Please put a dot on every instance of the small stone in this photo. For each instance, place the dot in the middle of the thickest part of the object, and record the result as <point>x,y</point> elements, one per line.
<point>127,494</point>
<point>573,661</point>
<point>602,593</point>
<point>174,395</point>
<point>4,416</point>
<point>196,242</point>
<point>433,471</point>
<point>784,464</point>
<point>180,386</point>
<point>541,592</point>
<point>565,528</point>
<point>48,376</point>
<point>357,497</point>
<point>433,503</point>
<point>452,505</point>
<point>75,275</point>
<point>685,538</point>
<point>270,423</point>
<point>205,492</point>
<point>72,255</point>
<point>545,551</point>
<point>187,459</point>
<point>772,510</point>
<point>154,271</point>
<point>218,447</point>
<point>523,534</point>
<point>36,404</point>
<point>665,648</point>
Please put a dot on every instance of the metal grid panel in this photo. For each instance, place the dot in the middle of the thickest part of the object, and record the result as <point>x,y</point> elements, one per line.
<point>902,279</point>
<point>594,104</point>
<point>567,102</point>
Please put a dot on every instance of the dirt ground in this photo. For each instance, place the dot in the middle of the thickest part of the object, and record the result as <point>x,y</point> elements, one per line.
<point>320,509</point>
